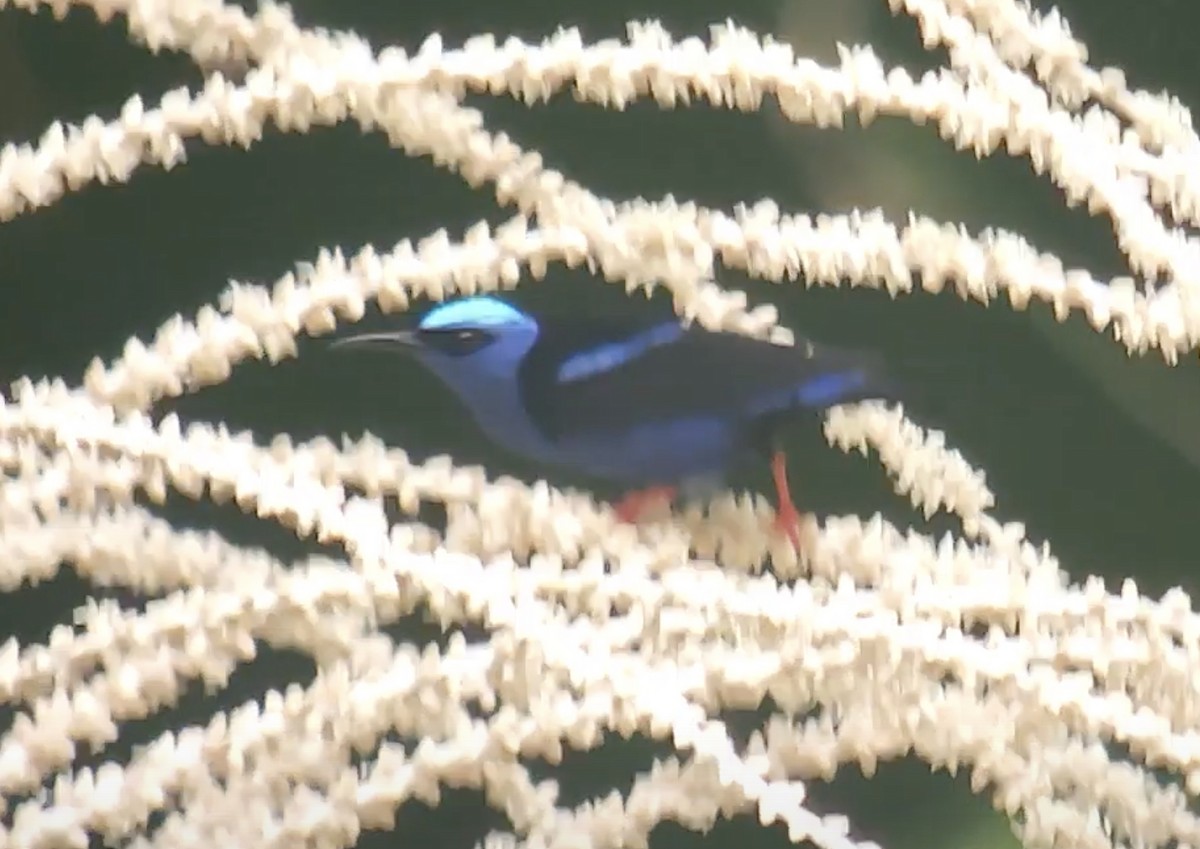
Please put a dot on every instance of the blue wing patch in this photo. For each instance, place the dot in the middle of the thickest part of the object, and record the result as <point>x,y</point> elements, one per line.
<point>819,392</point>
<point>611,355</point>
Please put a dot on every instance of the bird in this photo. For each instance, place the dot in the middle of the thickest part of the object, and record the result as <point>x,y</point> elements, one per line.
<point>654,405</point>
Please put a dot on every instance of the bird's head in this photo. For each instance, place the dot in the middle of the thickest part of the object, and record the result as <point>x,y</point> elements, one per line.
<point>469,343</point>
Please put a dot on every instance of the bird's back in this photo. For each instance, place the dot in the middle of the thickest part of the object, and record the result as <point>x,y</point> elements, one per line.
<point>657,400</point>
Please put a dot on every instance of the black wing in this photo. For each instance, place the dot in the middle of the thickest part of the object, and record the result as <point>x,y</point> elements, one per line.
<point>602,375</point>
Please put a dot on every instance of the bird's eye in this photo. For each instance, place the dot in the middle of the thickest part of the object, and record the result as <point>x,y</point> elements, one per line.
<point>458,341</point>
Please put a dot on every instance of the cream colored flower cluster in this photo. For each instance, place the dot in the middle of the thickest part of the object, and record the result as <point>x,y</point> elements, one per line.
<point>970,651</point>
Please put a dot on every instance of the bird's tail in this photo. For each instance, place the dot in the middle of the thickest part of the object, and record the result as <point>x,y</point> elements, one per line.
<point>854,375</point>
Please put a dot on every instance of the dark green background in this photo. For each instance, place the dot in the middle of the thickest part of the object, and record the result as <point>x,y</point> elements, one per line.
<point>1096,452</point>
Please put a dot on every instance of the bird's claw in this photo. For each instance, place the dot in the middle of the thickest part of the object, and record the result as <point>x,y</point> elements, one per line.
<point>787,522</point>
<point>787,517</point>
<point>633,504</point>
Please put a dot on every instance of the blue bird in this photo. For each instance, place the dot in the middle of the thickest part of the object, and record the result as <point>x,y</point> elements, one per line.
<point>653,406</point>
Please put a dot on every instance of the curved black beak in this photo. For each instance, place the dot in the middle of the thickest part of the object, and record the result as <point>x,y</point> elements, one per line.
<point>383,341</point>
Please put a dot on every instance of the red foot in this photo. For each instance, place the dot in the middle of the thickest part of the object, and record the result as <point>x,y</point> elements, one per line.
<point>787,517</point>
<point>629,509</point>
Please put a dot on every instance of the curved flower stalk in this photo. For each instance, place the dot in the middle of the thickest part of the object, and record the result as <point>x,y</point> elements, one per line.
<point>970,651</point>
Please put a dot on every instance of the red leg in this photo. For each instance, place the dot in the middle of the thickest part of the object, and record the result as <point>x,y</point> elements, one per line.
<point>629,508</point>
<point>787,517</point>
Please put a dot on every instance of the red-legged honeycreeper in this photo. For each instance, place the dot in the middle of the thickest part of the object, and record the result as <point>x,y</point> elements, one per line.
<point>650,405</point>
